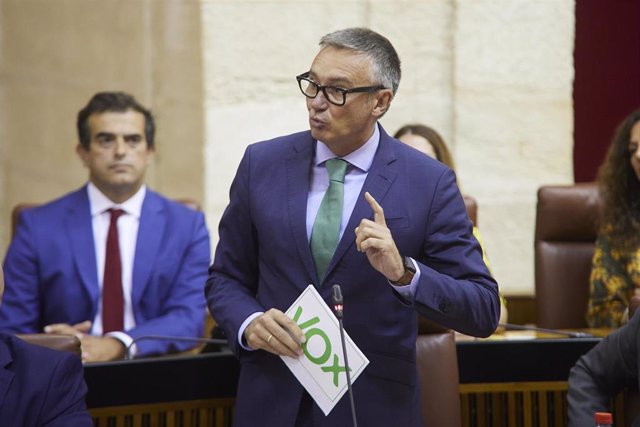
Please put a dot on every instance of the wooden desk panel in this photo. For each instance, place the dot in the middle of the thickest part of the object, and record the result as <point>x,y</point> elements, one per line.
<point>519,379</point>
<point>163,379</point>
<point>526,360</point>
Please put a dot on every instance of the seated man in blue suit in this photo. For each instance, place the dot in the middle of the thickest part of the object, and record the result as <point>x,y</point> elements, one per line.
<point>307,208</point>
<point>40,386</point>
<point>112,261</point>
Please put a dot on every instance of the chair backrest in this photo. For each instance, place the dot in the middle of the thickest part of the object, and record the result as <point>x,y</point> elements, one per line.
<point>566,231</point>
<point>15,215</point>
<point>68,343</point>
<point>439,381</point>
<point>17,209</point>
<point>472,208</point>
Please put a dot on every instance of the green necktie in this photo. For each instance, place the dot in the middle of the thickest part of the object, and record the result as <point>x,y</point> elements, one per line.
<point>326,228</point>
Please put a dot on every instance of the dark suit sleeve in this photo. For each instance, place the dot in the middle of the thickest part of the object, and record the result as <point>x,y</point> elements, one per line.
<point>233,277</point>
<point>602,373</point>
<point>455,289</point>
<point>20,306</point>
<point>64,401</point>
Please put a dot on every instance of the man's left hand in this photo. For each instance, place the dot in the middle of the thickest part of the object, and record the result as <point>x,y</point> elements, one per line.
<point>375,240</point>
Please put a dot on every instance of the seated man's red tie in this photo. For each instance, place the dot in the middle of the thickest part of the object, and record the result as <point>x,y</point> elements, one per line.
<point>112,297</point>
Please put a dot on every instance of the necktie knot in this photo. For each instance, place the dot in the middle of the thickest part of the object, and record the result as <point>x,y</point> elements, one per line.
<point>337,169</point>
<point>115,214</point>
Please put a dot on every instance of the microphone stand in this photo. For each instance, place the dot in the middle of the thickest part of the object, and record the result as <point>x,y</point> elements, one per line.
<point>571,334</point>
<point>338,307</point>
<point>172,338</point>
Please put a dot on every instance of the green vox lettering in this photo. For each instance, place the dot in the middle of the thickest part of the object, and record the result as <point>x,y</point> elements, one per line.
<point>335,368</point>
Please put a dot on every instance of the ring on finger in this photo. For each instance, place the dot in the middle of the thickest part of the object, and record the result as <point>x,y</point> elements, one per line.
<point>269,339</point>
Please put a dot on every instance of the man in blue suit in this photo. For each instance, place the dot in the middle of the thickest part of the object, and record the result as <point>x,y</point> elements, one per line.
<point>40,386</point>
<point>418,253</point>
<point>113,261</point>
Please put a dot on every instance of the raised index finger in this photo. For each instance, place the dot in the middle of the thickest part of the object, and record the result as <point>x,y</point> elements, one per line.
<point>378,212</point>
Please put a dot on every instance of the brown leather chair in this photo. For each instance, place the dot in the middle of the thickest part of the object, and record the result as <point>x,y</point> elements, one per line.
<point>472,208</point>
<point>15,215</point>
<point>68,343</point>
<point>17,209</point>
<point>439,382</point>
<point>566,231</point>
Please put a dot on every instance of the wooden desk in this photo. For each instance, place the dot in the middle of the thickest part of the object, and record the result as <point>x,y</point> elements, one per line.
<point>513,379</point>
<point>519,357</point>
<point>175,391</point>
<point>519,378</point>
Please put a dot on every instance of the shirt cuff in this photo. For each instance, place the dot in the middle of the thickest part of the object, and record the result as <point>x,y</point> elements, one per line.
<point>408,292</point>
<point>244,325</point>
<point>129,350</point>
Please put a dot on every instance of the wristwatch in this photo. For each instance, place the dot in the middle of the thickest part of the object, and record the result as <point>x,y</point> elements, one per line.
<point>409,272</point>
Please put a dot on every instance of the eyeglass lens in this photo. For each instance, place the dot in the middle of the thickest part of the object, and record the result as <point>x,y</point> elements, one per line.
<point>311,89</point>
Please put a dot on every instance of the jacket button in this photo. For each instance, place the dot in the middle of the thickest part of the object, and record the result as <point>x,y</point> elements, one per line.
<point>443,307</point>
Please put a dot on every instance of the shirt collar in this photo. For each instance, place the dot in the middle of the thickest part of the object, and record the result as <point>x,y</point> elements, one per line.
<point>100,203</point>
<point>362,158</point>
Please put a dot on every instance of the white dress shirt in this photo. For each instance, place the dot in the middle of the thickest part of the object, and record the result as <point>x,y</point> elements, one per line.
<point>128,225</point>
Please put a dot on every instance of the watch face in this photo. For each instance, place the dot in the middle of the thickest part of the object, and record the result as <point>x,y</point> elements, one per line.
<point>408,265</point>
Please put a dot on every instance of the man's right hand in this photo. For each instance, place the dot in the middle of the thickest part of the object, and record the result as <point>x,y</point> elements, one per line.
<point>276,333</point>
<point>78,329</point>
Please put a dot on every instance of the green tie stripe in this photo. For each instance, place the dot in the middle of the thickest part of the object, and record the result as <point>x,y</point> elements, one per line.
<point>326,228</point>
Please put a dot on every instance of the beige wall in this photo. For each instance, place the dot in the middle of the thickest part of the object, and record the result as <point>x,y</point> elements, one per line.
<point>513,113</point>
<point>493,76</point>
<point>54,55</point>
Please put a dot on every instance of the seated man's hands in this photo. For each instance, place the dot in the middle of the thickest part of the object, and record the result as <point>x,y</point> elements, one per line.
<point>94,348</point>
<point>66,329</point>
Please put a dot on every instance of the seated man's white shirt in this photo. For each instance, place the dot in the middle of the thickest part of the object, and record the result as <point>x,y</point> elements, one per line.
<point>128,225</point>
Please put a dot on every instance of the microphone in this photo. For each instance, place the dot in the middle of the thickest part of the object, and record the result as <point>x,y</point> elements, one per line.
<point>199,340</point>
<point>570,334</point>
<point>338,307</point>
<point>337,301</point>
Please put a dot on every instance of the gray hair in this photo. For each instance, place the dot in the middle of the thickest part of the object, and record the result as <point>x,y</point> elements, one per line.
<point>384,58</point>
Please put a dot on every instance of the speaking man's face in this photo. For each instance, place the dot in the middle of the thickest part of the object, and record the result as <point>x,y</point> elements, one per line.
<point>344,128</point>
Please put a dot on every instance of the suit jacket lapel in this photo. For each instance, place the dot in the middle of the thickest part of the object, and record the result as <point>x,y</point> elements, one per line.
<point>379,179</point>
<point>79,231</point>
<point>150,232</point>
<point>298,166</point>
<point>6,376</point>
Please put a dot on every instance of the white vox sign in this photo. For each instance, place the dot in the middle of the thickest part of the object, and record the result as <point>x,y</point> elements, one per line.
<point>321,368</point>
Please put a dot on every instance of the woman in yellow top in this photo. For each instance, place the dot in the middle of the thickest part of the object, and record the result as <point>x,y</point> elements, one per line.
<point>615,271</point>
<point>425,139</point>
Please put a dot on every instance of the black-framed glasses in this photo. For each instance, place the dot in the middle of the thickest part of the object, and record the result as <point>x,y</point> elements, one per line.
<point>335,95</point>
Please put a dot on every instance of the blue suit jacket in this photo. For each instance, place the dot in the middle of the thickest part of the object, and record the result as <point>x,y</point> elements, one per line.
<point>263,260</point>
<point>50,270</point>
<point>40,386</point>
